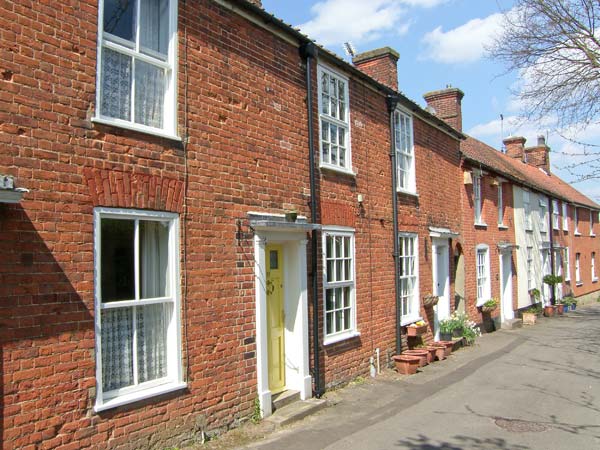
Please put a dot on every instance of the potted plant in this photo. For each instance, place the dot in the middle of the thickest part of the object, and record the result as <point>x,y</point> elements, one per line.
<point>446,328</point>
<point>535,295</point>
<point>552,280</point>
<point>417,328</point>
<point>530,314</point>
<point>566,303</point>
<point>489,306</point>
<point>573,304</point>
<point>430,300</point>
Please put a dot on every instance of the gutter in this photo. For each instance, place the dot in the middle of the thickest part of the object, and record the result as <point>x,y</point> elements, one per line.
<point>392,102</point>
<point>309,52</point>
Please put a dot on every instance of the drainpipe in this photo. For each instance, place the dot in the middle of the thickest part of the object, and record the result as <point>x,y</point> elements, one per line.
<point>309,51</point>
<point>392,102</point>
<point>551,235</point>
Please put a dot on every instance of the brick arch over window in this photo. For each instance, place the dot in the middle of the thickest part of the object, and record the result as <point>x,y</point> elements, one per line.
<point>134,190</point>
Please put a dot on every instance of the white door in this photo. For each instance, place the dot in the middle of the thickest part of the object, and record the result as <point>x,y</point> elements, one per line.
<point>545,271</point>
<point>507,298</point>
<point>441,281</point>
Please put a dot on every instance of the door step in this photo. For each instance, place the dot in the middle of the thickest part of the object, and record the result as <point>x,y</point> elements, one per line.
<point>512,324</point>
<point>295,411</point>
<point>284,398</point>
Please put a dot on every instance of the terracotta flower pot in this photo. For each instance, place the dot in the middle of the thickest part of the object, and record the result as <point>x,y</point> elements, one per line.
<point>449,346</point>
<point>416,330</point>
<point>405,364</point>
<point>439,350</point>
<point>548,311</point>
<point>560,309</point>
<point>420,352</point>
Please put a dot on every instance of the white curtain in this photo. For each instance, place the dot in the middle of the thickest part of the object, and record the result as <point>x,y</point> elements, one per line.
<point>117,348</point>
<point>154,25</point>
<point>116,85</point>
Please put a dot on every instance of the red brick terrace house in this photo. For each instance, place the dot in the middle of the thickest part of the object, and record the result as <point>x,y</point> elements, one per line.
<point>152,285</point>
<point>518,222</point>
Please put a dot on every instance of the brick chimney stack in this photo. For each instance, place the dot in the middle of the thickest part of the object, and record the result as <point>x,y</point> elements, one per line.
<point>538,156</point>
<point>515,146</point>
<point>380,64</point>
<point>447,105</point>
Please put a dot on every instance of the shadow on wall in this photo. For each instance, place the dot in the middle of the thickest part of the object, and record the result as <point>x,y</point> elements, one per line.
<point>46,330</point>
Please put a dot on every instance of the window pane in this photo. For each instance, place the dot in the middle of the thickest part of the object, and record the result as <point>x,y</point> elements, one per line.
<point>116,85</point>
<point>338,298</point>
<point>339,320</point>
<point>152,323</point>
<point>119,18</point>
<point>346,319</point>
<point>329,299</point>
<point>329,323</point>
<point>154,259</point>
<point>154,25</point>
<point>149,94</point>
<point>117,260</point>
<point>117,348</point>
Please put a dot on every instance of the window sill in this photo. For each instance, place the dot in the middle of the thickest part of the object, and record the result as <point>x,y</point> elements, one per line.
<point>340,337</point>
<point>579,283</point>
<point>133,127</point>
<point>592,235</point>
<point>594,280</point>
<point>577,233</point>
<point>502,227</point>
<point>409,193</point>
<point>140,395</point>
<point>339,170</point>
<point>405,321</point>
<point>480,224</point>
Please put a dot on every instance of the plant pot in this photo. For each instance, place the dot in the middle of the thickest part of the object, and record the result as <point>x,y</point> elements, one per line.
<point>458,332</point>
<point>429,301</point>
<point>548,311</point>
<point>421,353</point>
<point>440,351</point>
<point>573,306</point>
<point>416,330</point>
<point>565,307</point>
<point>405,364</point>
<point>488,309</point>
<point>529,318</point>
<point>445,336</point>
<point>449,345</point>
<point>291,216</point>
<point>560,309</point>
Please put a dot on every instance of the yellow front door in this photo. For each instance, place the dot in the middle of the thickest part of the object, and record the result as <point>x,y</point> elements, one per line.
<point>275,318</point>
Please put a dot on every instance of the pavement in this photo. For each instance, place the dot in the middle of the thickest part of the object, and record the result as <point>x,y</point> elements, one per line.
<point>537,387</point>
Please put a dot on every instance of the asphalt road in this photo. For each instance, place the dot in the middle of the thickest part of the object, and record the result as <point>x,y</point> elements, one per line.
<point>532,388</point>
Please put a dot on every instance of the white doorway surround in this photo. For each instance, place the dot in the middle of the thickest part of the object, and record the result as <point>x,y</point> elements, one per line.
<point>291,238</point>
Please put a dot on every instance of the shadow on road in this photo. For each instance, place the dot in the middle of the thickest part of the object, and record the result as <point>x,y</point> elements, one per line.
<point>458,442</point>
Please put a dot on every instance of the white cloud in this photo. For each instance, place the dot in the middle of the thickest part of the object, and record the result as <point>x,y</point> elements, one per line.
<point>360,21</point>
<point>465,43</point>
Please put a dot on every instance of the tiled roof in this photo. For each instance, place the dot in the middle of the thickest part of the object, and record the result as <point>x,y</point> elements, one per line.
<point>522,173</point>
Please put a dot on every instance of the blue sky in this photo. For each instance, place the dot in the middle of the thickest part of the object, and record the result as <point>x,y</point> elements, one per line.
<point>441,42</point>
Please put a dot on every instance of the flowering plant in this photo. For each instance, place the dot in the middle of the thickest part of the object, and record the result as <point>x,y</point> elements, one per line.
<point>460,321</point>
<point>419,323</point>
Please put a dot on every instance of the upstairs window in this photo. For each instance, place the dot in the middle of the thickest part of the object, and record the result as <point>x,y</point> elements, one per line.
<point>592,223</point>
<point>136,64</point>
<point>565,216</point>
<point>334,121</point>
<point>576,219</point>
<point>405,158</point>
<point>527,210</point>
<point>543,215</point>
<point>477,198</point>
<point>555,215</point>
<point>500,205</point>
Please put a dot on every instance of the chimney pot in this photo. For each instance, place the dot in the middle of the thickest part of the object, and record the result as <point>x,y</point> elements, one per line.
<point>541,140</point>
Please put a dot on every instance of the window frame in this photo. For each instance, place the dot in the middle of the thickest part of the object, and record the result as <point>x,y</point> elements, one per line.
<point>555,215</point>
<point>169,65</point>
<point>415,313</point>
<point>592,234</point>
<point>527,210</point>
<point>411,187</point>
<point>578,269</point>
<point>567,262</point>
<point>352,331</point>
<point>174,379</point>
<point>576,220</point>
<point>593,266</point>
<point>340,123</point>
<point>486,288</point>
<point>531,284</point>
<point>477,199</point>
<point>565,212</point>
<point>500,205</point>
<point>543,202</point>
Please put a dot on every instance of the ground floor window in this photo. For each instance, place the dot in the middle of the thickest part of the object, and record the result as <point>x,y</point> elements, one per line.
<point>409,276</point>
<point>483,274</point>
<point>137,304</point>
<point>338,283</point>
